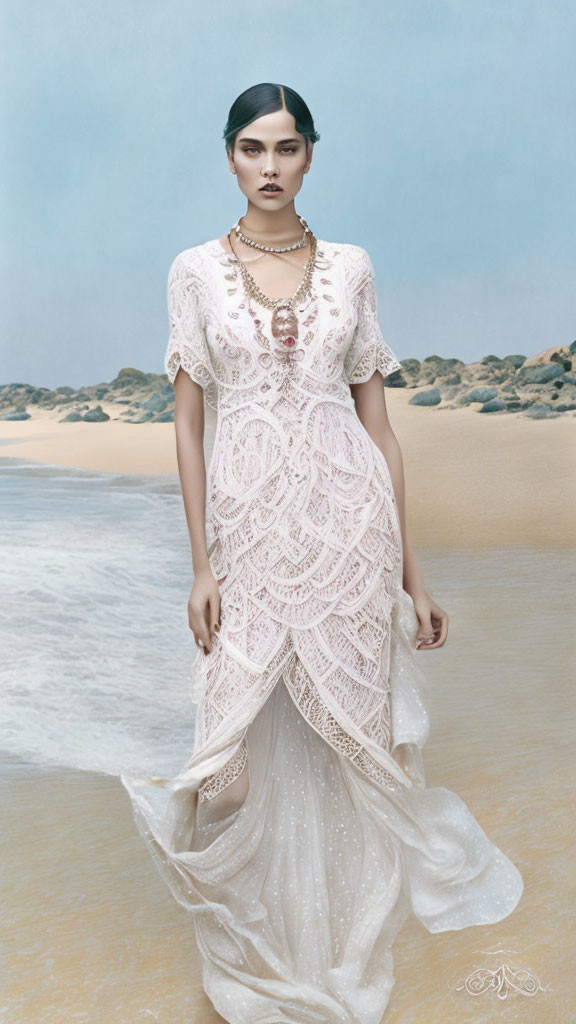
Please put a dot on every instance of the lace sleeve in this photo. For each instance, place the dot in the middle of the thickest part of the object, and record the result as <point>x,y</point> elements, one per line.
<point>368,350</point>
<point>187,346</point>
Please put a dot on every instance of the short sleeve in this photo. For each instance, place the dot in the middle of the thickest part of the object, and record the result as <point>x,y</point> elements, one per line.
<point>187,345</point>
<point>368,350</point>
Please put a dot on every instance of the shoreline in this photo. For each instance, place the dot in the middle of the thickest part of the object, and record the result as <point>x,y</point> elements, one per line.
<point>471,481</point>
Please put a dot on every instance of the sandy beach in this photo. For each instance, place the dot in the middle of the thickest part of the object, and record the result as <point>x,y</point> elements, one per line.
<point>93,934</point>
<point>472,480</point>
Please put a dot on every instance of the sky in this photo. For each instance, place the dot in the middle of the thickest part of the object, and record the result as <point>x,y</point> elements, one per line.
<point>447,149</point>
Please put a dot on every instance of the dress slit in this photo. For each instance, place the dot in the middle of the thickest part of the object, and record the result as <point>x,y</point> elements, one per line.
<point>314,710</point>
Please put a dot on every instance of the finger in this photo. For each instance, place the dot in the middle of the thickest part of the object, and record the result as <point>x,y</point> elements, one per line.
<point>425,643</point>
<point>440,634</point>
<point>220,582</point>
<point>205,641</point>
<point>443,629</point>
<point>199,627</point>
<point>428,645</point>
<point>209,626</point>
<point>204,631</point>
<point>426,632</point>
<point>440,629</point>
<point>214,614</point>
<point>219,623</point>
<point>197,624</point>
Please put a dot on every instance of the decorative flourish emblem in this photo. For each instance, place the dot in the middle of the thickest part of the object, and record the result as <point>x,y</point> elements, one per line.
<point>503,979</point>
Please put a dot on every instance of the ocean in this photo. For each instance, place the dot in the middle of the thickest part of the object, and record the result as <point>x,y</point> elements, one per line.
<point>95,573</point>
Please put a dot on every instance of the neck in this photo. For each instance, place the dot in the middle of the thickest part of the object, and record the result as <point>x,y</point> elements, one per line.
<point>273,228</point>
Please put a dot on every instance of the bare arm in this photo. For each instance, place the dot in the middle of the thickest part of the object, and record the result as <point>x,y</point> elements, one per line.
<point>370,401</point>
<point>204,603</point>
<point>189,427</point>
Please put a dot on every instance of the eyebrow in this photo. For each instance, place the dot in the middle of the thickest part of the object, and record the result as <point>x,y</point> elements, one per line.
<point>282,142</point>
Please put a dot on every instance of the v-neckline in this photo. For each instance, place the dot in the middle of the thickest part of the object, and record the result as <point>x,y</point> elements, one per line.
<point>233,259</point>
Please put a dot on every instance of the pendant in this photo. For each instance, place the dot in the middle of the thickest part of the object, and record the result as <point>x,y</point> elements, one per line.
<point>284,325</point>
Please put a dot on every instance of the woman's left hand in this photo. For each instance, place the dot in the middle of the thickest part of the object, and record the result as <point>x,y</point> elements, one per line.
<point>433,623</point>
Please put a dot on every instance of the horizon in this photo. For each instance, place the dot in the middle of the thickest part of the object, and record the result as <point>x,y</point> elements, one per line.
<point>457,179</point>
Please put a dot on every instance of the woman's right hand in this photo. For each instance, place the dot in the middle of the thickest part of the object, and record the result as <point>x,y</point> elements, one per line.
<point>204,616</point>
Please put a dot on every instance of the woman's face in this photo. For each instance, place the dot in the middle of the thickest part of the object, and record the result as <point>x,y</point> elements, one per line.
<point>270,149</point>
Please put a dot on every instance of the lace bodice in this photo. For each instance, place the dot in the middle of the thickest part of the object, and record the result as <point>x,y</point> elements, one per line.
<point>223,339</point>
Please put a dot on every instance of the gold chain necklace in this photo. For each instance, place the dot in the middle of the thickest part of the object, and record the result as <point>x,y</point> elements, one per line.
<point>284,322</point>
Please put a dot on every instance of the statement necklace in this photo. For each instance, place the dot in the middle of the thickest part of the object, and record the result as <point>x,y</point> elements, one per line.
<point>284,322</point>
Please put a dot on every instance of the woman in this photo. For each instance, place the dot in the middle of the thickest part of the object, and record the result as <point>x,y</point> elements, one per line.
<point>301,832</point>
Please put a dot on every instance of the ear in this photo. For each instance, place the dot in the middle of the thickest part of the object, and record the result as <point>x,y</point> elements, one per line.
<point>231,164</point>
<point>309,158</point>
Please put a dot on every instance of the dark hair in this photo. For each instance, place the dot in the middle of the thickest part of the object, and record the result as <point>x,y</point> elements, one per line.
<point>266,98</point>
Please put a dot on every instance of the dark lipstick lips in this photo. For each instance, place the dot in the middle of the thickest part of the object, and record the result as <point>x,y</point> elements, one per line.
<point>266,189</point>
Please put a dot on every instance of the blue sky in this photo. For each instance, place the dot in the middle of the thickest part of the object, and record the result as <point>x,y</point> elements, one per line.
<point>447,149</point>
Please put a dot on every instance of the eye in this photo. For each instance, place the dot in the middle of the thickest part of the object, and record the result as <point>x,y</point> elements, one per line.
<point>253,149</point>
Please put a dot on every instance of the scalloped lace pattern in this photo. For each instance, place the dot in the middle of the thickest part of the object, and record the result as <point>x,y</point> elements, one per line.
<point>301,516</point>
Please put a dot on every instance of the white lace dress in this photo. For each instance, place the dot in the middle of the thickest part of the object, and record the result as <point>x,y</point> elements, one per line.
<point>313,691</point>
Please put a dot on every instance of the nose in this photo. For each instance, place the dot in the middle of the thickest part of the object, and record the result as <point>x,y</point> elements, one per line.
<point>269,167</point>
